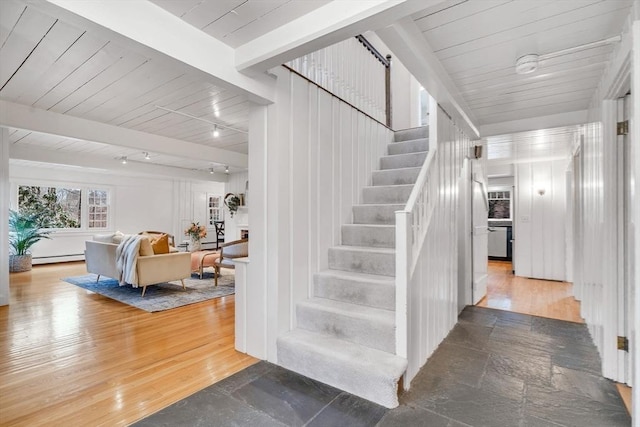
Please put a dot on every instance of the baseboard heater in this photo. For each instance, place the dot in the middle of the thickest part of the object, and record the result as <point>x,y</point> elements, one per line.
<point>57,258</point>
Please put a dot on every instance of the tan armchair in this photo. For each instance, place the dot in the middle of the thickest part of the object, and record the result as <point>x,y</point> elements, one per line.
<point>229,251</point>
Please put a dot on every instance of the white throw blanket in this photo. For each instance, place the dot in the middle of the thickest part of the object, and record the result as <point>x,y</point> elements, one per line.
<point>126,259</point>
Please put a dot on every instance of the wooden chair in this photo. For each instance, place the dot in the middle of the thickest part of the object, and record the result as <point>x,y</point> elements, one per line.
<point>219,225</point>
<point>229,251</point>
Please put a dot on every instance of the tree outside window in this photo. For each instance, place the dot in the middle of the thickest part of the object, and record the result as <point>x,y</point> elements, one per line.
<point>55,207</point>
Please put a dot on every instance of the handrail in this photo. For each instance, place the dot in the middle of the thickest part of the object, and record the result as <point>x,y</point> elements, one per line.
<point>385,61</point>
<point>412,224</point>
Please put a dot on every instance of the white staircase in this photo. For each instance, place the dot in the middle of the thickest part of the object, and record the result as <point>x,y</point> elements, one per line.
<point>345,334</point>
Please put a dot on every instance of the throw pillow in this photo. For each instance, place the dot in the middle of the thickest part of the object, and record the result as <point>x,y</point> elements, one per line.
<point>117,237</point>
<point>103,238</point>
<point>145,247</point>
<point>160,244</point>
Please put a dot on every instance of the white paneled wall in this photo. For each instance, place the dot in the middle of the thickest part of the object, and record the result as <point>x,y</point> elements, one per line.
<point>351,72</point>
<point>316,154</point>
<point>432,293</point>
<point>540,245</point>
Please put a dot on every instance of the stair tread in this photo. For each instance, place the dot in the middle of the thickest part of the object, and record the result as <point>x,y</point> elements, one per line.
<point>400,206</point>
<point>397,169</point>
<point>364,277</point>
<point>378,315</point>
<point>389,186</point>
<point>404,154</point>
<point>367,359</point>
<point>408,141</point>
<point>370,225</point>
<point>390,251</point>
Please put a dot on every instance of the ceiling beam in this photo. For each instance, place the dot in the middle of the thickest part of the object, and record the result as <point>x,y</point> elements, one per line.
<point>28,118</point>
<point>327,25</point>
<point>84,160</point>
<point>535,123</point>
<point>157,32</point>
<point>407,42</point>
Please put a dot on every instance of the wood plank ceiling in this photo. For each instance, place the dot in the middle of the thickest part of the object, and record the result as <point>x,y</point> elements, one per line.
<point>478,43</point>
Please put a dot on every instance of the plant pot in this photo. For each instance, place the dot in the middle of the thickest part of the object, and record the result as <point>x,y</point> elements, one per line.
<point>18,263</point>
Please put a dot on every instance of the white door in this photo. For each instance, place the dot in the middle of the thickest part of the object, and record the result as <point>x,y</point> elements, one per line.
<point>479,220</point>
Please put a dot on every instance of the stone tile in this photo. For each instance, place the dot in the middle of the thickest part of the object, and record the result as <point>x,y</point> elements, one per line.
<point>568,331</point>
<point>532,370</point>
<point>530,421</point>
<point>465,364</point>
<point>234,382</point>
<point>469,335</point>
<point>349,410</point>
<point>571,409</point>
<point>586,364</point>
<point>477,408</point>
<point>209,407</point>
<point>511,319</point>
<point>414,417</point>
<point>585,384</point>
<point>503,385</point>
<point>505,340</point>
<point>478,316</point>
<point>286,396</point>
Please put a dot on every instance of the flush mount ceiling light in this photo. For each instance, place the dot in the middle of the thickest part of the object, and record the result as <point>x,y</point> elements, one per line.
<point>527,64</point>
<point>216,132</point>
<point>146,156</point>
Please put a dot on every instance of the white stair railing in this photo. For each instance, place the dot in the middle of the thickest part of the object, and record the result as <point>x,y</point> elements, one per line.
<point>412,224</point>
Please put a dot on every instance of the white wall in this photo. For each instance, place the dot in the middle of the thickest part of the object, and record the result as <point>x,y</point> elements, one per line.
<point>433,288</point>
<point>138,203</point>
<point>236,184</point>
<point>308,164</point>
<point>541,220</point>
<point>4,216</point>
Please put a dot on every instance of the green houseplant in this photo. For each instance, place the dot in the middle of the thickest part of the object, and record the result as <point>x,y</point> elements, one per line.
<point>232,201</point>
<point>24,232</point>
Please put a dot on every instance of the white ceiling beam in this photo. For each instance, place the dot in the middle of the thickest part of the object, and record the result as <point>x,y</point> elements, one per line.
<point>157,31</point>
<point>535,123</point>
<point>28,118</point>
<point>406,41</point>
<point>327,25</point>
<point>37,154</point>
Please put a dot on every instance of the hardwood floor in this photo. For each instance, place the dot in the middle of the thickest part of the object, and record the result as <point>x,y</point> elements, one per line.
<point>529,296</point>
<point>71,357</point>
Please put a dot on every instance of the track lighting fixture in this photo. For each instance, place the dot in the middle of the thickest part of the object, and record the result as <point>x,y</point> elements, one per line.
<point>226,169</point>
<point>147,156</point>
<point>123,160</point>
<point>216,132</point>
<point>211,171</point>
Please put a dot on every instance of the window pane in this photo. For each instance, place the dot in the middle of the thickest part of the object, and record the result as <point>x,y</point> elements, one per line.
<point>98,209</point>
<point>55,207</point>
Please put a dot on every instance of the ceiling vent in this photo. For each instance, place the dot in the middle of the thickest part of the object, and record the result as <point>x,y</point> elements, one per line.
<point>527,64</point>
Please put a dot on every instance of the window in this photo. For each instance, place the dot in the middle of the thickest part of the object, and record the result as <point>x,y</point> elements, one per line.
<point>214,209</point>
<point>499,204</point>
<point>98,208</point>
<point>56,207</point>
<point>66,207</point>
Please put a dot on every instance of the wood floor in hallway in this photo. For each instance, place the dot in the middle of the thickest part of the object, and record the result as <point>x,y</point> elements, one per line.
<point>71,357</point>
<point>543,298</point>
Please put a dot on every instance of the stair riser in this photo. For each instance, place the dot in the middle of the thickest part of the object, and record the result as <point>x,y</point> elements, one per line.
<point>364,214</point>
<point>408,146</point>
<point>395,176</point>
<point>368,236</point>
<point>364,331</point>
<point>356,292</point>
<point>409,134</point>
<point>362,262</point>
<point>386,195</point>
<point>411,160</point>
<point>348,375</point>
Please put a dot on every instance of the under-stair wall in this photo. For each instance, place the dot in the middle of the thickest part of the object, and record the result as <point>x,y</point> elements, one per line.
<point>306,172</point>
<point>432,291</point>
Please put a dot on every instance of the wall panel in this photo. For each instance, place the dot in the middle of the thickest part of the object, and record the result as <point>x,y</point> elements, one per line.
<point>321,152</point>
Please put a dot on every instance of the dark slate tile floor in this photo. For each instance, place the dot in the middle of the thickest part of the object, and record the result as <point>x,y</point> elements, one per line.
<point>495,368</point>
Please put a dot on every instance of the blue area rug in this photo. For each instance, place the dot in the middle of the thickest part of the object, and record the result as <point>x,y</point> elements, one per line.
<point>160,297</point>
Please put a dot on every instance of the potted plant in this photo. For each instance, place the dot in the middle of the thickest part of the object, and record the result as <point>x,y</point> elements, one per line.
<point>24,232</point>
<point>232,201</point>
